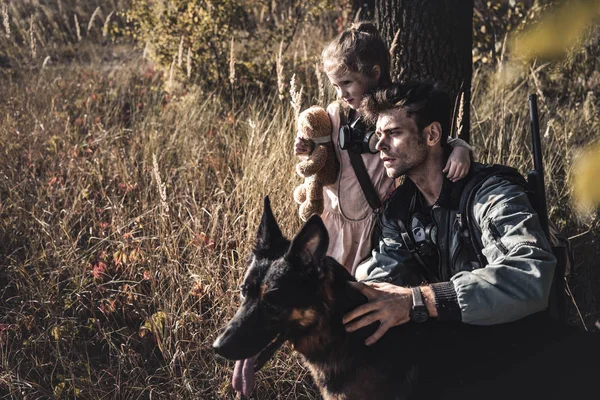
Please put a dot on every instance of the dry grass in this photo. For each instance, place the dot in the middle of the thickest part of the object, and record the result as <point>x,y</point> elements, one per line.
<point>126,213</point>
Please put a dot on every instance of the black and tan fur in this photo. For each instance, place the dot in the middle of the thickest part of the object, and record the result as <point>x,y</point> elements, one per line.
<point>293,292</point>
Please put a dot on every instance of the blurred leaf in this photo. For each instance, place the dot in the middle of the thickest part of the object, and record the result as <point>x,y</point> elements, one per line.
<point>585,173</point>
<point>557,32</point>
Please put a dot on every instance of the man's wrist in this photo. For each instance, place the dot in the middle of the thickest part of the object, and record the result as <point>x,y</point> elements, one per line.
<point>446,301</point>
<point>429,300</point>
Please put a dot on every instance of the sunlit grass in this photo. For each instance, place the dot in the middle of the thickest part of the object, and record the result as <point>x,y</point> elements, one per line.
<point>127,213</point>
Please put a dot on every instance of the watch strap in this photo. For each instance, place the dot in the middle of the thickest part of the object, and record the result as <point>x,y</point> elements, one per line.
<point>417,297</point>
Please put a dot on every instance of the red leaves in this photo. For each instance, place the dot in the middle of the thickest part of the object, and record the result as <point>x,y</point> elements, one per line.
<point>98,270</point>
<point>202,240</point>
<point>197,290</point>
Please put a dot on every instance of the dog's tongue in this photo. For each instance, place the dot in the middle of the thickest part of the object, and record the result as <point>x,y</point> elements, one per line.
<point>243,375</point>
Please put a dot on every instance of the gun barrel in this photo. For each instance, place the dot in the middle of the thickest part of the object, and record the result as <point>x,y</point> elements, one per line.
<point>538,164</point>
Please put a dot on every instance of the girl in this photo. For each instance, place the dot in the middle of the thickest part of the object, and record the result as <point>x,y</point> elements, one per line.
<point>356,63</point>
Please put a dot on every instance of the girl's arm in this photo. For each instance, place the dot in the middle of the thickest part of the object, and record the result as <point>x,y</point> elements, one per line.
<point>459,160</point>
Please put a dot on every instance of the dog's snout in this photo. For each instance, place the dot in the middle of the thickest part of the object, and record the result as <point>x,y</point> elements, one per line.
<point>219,345</point>
<point>216,345</point>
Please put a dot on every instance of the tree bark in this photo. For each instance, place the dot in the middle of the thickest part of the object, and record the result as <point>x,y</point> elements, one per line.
<point>366,7</point>
<point>434,43</point>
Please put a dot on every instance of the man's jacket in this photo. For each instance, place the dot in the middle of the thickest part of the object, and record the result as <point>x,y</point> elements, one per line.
<point>517,278</point>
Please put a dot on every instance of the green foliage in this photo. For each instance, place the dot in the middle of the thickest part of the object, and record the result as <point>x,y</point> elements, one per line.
<point>206,28</point>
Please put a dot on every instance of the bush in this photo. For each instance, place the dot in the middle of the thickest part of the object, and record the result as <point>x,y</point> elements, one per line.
<point>193,38</point>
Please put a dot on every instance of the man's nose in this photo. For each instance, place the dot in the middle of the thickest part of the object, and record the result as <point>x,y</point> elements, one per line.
<point>381,145</point>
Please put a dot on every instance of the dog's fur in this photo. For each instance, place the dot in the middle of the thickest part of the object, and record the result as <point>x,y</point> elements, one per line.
<point>292,291</point>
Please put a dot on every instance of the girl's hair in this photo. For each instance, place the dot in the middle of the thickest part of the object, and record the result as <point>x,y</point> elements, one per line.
<point>358,49</point>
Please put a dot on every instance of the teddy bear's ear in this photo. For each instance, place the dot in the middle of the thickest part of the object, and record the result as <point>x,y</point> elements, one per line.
<point>316,120</point>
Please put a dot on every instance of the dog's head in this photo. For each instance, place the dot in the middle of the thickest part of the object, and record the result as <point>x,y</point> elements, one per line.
<point>281,283</point>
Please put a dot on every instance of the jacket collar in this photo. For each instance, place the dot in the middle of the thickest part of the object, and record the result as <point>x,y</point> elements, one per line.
<point>398,205</point>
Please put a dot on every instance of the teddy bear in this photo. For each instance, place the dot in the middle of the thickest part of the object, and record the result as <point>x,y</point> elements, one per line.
<point>321,167</point>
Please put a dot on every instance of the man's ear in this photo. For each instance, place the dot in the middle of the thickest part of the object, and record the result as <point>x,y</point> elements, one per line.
<point>311,243</point>
<point>434,133</point>
<point>268,235</point>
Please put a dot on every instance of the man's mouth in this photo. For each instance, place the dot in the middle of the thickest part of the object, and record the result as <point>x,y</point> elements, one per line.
<point>386,159</point>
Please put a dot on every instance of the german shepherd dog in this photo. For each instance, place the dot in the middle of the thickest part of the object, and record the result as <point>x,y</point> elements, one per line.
<point>293,292</point>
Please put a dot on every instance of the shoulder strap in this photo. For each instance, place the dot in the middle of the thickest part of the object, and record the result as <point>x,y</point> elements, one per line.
<point>365,181</point>
<point>362,175</point>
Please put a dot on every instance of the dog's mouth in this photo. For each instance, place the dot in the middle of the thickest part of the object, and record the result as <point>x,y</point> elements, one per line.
<point>243,373</point>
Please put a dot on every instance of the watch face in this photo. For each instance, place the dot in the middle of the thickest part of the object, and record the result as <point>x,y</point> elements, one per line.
<point>419,314</point>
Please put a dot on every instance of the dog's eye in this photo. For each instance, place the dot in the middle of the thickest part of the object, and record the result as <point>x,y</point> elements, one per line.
<point>271,300</point>
<point>271,305</point>
<point>243,290</point>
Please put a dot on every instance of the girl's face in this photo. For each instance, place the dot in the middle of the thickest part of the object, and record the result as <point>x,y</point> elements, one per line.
<point>352,86</point>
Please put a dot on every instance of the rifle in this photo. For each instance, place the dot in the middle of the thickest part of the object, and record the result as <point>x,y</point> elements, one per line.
<point>536,176</point>
<point>535,179</point>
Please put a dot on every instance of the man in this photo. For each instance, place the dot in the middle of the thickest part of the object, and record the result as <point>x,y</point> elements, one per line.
<point>423,233</point>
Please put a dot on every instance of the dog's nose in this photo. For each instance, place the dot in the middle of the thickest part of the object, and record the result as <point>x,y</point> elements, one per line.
<point>222,346</point>
<point>217,345</point>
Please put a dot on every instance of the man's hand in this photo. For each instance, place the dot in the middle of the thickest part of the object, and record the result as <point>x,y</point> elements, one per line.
<point>389,304</point>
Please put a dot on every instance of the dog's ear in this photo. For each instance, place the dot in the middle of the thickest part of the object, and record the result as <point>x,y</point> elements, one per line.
<point>269,235</point>
<point>311,242</point>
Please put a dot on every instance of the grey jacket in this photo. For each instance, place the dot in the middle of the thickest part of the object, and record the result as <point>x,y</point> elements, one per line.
<point>520,265</point>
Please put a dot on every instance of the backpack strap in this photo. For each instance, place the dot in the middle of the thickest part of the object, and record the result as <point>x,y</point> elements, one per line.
<point>362,175</point>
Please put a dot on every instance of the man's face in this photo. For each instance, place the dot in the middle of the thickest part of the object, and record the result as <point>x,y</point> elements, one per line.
<point>401,146</point>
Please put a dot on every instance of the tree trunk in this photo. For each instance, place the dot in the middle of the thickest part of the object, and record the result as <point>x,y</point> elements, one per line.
<point>366,8</point>
<point>434,42</point>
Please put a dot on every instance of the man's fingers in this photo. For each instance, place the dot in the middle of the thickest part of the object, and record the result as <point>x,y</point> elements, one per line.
<point>364,321</point>
<point>358,312</point>
<point>383,328</point>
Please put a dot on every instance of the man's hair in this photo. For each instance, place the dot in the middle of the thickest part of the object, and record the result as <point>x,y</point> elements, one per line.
<point>424,101</point>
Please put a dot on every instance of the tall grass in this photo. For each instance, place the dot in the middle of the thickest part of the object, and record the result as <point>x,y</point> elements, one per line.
<point>127,213</point>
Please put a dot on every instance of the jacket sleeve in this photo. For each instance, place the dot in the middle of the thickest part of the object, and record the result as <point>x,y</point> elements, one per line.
<point>458,142</point>
<point>390,261</point>
<point>516,281</point>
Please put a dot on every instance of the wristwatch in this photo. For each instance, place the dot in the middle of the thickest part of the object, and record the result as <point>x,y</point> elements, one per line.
<point>418,312</point>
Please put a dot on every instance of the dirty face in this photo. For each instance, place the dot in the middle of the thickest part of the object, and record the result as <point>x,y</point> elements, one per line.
<point>402,147</point>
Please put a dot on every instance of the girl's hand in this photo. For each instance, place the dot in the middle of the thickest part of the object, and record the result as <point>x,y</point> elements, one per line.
<point>458,164</point>
<point>302,146</point>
